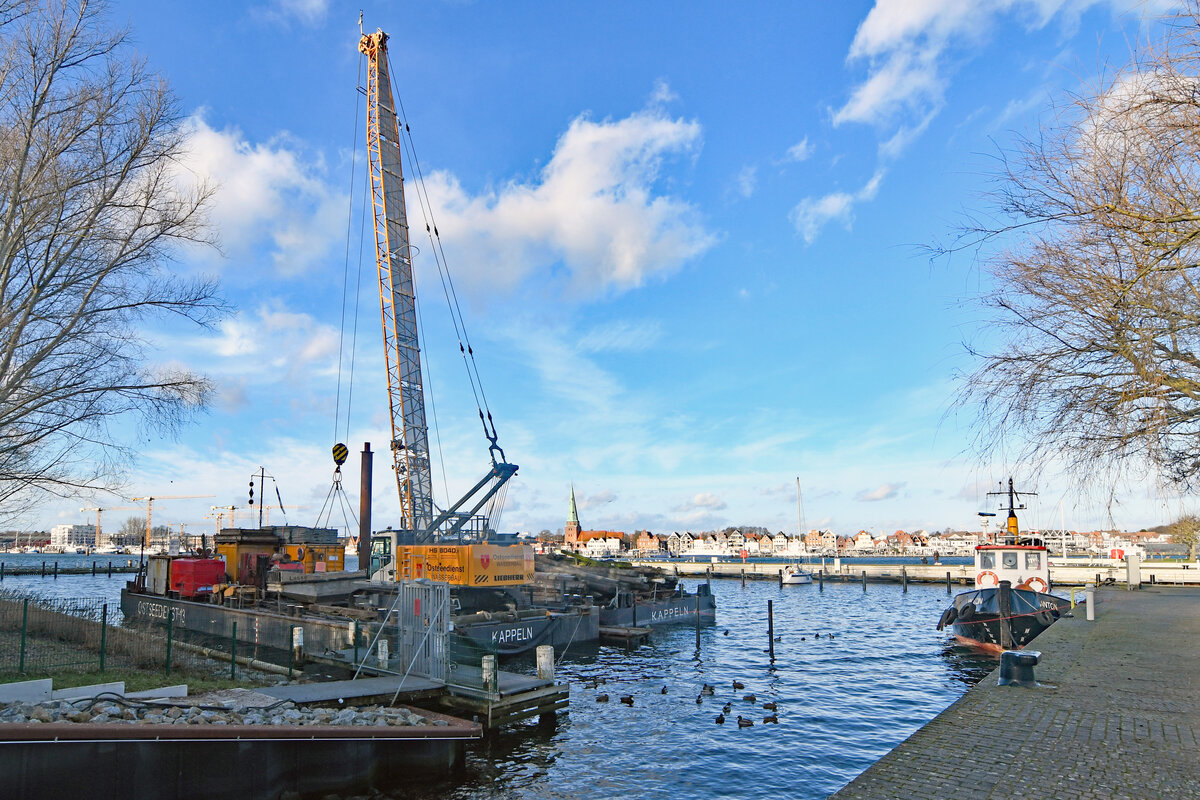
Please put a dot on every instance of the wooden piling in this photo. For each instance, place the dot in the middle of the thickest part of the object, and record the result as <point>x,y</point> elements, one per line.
<point>93,569</point>
<point>110,569</point>
<point>904,579</point>
<point>771,628</point>
<point>44,572</point>
<point>821,580</point>
<point>864,580</point>
<point>55,570</point>
<point>743,577</point>
<point>947,582</point>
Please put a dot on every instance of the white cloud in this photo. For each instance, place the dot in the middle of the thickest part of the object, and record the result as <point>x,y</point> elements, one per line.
<point>597,500</point>
<point>268,193</point>
<point>812,214</point>
<point>309,12</point>
<point>747,179</point>
<point>702,501</point>
<point>268,345</point>
<point>906,44</point>
<point>800,151</point>
<point>592,212</point>
<point>885,492</point>
<point>620,336</point>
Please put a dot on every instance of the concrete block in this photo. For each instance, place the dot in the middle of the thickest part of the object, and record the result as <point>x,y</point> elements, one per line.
<point>178,690</point>
<point>26,691</point>
<point>78,692</point>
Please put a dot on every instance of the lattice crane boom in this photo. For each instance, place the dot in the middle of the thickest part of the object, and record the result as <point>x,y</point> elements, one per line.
<point>397,293</point>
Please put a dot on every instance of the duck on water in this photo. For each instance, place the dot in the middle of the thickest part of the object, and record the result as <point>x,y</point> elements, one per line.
<point>1011,603</point>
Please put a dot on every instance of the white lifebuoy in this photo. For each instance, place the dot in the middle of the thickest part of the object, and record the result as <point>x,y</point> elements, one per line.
<point>987,573</point>
<point>1036,584</point>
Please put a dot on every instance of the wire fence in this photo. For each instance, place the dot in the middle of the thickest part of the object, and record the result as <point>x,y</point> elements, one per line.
<point>41,635</point>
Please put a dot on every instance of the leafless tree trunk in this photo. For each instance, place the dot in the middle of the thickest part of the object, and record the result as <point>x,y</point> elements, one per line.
<point>1092,356</point>
<point>91,211</point>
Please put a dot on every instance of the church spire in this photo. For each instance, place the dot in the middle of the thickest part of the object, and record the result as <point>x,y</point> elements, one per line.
<point>573,514</point>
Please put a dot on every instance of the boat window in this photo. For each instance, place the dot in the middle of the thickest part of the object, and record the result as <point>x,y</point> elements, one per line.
<point>1033,561</point>
<point>1010,560</point>
<point>987,560</point>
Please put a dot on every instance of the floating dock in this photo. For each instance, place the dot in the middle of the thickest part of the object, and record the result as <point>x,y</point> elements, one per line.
<point>1114,716</point>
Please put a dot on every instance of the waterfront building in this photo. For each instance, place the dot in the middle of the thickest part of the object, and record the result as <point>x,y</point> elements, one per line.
<point>647,542</point>
<point>72,536</point>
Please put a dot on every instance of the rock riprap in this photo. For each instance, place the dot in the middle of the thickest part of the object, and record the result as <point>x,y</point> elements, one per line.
<point>130,713</point>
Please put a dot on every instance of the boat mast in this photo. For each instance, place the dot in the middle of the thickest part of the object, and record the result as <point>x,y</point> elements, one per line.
<point>397,293</point>
<point>799,511</point>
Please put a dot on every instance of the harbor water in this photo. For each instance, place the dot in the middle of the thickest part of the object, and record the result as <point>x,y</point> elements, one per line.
<point>843,700</point>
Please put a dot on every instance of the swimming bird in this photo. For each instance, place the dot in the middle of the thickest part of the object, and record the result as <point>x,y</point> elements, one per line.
<point>750,698</point>
<point>770,706</point>
<point>803,639</point>
<point>738,685</point>
<point>627,700</point>
<point>699,699</point>
<point>743,722</point>
<point>664,690</point>
<point>726,633</point>
<point>601,698</point>
<point>774,719</point>
<point>727,708</point>
<point>720,720</point>
<point>779,638</point>
<point>816,636</point>
<point>706,689</point>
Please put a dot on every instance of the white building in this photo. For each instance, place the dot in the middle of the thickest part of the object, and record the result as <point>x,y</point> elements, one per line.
<point>71,536</point>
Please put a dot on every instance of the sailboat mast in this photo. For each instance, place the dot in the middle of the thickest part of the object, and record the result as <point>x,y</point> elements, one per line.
<point>799,510</point>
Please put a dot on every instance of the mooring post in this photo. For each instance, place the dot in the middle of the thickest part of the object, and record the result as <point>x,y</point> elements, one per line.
<point>55,570</point>
<point>781,577</point>
<point>1089,597</point>
<point>743,577</point>
<point>1,570</point>
<point>488,672</point>
<point>44,571</point>
<point>864,580</point>
<point>947,582</point>
<point>110,569</point>
<point>904,579</point>
<point>771,627</point>
<point>545,662</point>
<point>821,580</point>
<point>93,569</point>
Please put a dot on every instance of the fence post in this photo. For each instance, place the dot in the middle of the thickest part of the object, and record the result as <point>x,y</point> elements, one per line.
<point>170,636</point>
<point>233,653</point>
<point>24,628</point>
<point>103,633</point>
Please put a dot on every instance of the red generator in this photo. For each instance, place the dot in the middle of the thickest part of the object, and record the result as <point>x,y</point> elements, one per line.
<point>194,578</point>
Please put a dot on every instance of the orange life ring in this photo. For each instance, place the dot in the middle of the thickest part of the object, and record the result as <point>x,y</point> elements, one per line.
<point>1035,583</point>
<point>979,579</point>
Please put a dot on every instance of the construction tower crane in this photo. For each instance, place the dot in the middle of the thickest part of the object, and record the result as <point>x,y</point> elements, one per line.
<point>99,511</point>
<point>150,507</point>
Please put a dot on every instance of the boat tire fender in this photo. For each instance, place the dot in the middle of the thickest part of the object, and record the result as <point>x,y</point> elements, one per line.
<point>948,617</point>
<point>1044,618</point>
<point>966,612</point>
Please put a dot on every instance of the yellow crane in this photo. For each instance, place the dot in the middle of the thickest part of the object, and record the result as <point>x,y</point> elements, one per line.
<point>150,507</point>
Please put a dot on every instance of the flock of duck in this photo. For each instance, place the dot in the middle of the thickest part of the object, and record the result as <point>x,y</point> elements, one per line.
<point>708,690</point>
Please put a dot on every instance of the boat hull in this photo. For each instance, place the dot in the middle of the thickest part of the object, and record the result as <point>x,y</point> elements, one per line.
<point>674,609</point>
<point>510,637</point>
<point>974,618</point>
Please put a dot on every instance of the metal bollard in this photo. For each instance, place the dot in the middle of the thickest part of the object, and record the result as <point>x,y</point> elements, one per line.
<point>1016,668</point>
<point>1089,597</point>
<point>545,662</point>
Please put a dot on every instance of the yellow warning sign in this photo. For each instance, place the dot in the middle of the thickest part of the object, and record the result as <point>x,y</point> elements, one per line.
<point>468,564</point>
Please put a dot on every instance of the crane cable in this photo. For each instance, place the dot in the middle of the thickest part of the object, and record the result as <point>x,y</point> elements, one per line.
<point>452,302</point>
<point>346,277</point>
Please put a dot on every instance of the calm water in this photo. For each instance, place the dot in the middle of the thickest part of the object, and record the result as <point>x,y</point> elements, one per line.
<point>843,702</point>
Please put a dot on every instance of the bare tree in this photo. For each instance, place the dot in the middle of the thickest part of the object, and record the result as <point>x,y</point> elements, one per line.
<point>91,211</point>
<point>1093,351</point>
<point>1186,531</point>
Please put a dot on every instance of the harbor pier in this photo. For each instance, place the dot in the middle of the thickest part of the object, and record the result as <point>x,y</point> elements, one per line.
<point>1115,715</point>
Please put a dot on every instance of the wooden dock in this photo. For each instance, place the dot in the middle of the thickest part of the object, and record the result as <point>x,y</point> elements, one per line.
<point>623,634</point>
<point>515,698</point>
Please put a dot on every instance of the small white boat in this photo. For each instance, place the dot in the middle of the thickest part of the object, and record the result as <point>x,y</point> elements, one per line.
<point>795,575</point>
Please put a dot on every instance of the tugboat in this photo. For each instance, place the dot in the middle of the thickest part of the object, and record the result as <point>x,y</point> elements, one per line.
<point>1011,603</point>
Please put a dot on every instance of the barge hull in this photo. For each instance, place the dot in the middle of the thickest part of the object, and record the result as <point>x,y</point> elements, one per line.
<point>673,610</point>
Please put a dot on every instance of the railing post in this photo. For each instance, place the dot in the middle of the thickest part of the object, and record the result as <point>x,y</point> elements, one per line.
<point>233,653</point>
<point>103,634</point>
<point>24,629</point>
<point>170,636</point>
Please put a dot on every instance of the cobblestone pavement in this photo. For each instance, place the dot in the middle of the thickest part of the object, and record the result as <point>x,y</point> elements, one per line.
<point>1116,717</point>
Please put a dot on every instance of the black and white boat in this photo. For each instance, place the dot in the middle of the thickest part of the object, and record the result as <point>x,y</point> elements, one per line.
<point>1011,602</point>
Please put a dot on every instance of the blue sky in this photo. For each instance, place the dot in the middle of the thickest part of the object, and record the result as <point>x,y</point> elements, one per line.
<point>687,238</point>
